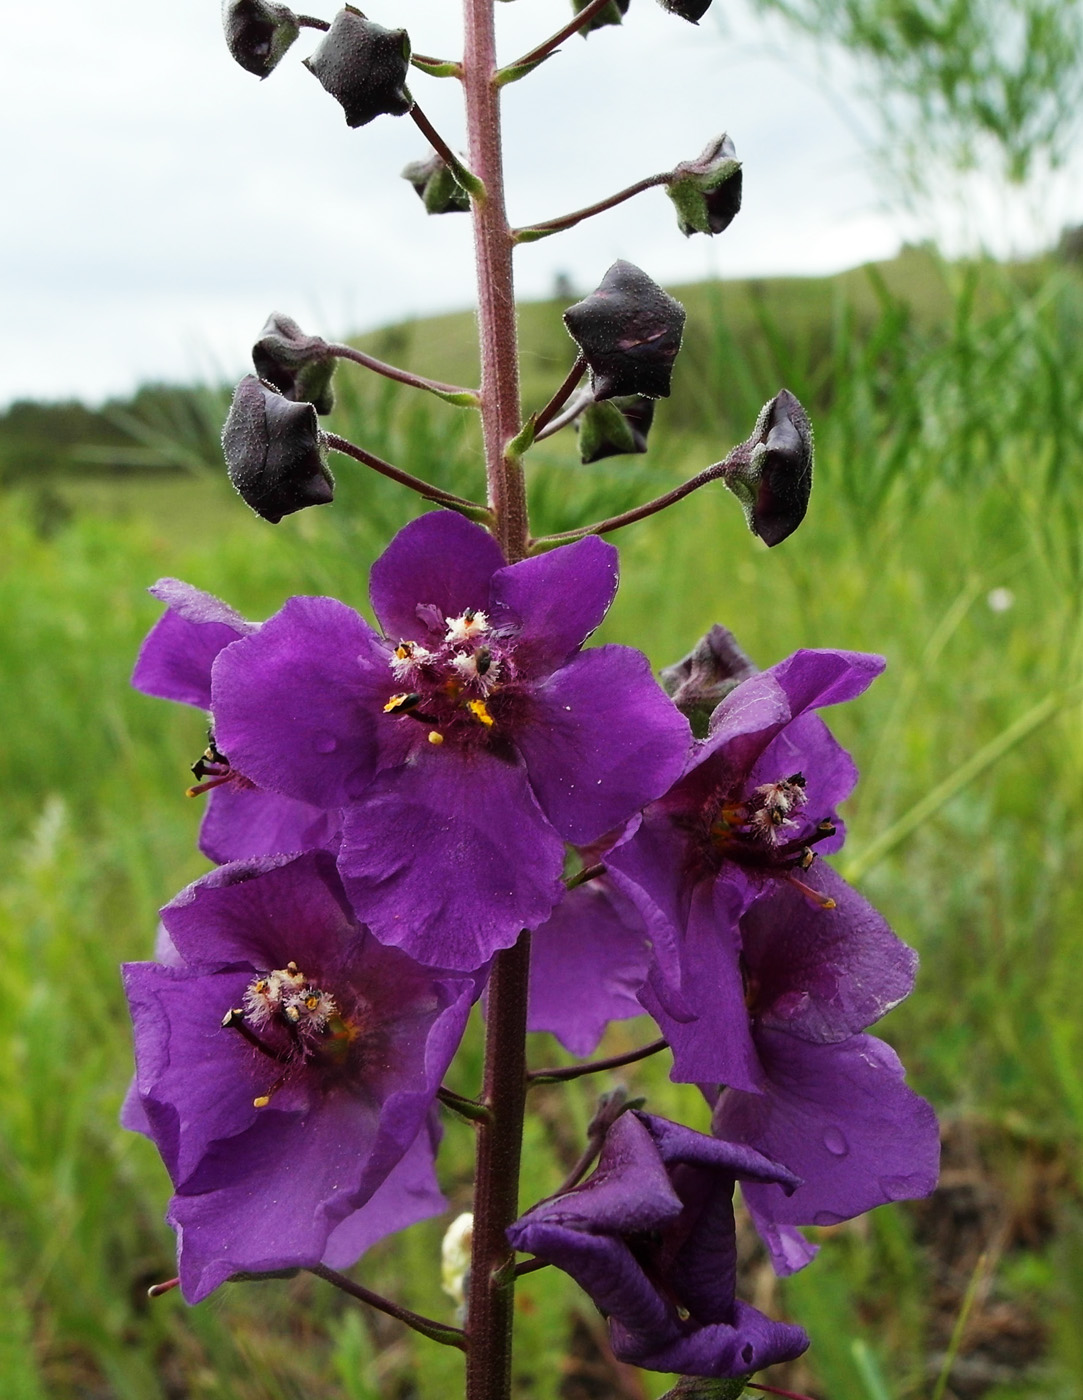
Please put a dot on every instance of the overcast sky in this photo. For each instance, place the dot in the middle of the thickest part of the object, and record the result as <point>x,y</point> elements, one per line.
<point>161,201</point>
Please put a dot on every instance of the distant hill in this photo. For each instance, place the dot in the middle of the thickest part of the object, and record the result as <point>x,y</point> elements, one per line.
<point>742,340</point>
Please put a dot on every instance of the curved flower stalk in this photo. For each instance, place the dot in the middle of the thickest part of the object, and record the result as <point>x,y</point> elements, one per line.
<point>287,1066</point>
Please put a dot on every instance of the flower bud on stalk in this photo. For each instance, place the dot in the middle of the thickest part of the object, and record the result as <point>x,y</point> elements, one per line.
<point>629,331</point>
<point>707,190</point>
<point>771,473</point>
<point>272,451</point>
<point>363,66</point>
<point>436,186</point>
<point>299,366</point>
<point>258,33</point>
<point>700,681</point>
<point>612,13</point>
<point>691,10</point>
<point>615,428</point>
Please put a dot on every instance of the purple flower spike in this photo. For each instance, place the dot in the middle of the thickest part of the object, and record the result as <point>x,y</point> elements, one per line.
<point>650,1236</point>
<point>286,1067</point>
<point>467,744</point>
<point>175,663</point>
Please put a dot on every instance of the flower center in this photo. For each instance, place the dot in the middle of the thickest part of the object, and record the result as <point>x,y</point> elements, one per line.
<point>213,769</point>
<point>450,687</point>
<point>290,1019</point>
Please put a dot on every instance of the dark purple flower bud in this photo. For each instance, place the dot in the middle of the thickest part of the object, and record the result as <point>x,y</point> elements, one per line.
<point>701,680</point>
<point>650,1236</point>
<point>707,190</point>
<point>629,331</point>
<point>437,186</point>
<point>258,33</point>
<point>615,428</point>
<point>363,66</point>
<point>272,450</point>
<point>299,366</point>
<point>612,13</point>
<point>691,10</point>
<point>771,473</point>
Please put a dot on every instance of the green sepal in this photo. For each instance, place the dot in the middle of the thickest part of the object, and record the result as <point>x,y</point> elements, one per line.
<point>445,68</point>
<point>514,71</point>
<point>707,1388</point>
<point>604,426</point>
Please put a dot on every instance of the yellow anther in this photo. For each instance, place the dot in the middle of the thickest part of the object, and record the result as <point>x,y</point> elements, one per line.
<point>262,1101</point>
<point>480,711</point>
<point>435,737</point>
<point>398,702</point>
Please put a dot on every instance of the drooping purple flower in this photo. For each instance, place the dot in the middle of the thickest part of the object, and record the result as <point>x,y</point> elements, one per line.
<point>286,1066</point>
<point>650,1236</point>
<point>467,744</point>
<point>175,663</point>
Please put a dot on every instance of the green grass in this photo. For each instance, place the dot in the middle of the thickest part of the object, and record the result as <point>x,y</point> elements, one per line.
<point>949,467</point>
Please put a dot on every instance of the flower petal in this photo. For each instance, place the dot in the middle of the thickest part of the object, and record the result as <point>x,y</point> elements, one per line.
<point>449,857</point>
<point>843,1119</point>
<point>175,661</point>
<point>243,821</point>
<point>440,560</point>
<point>555,600</point>
<point>600,739</point>
<point>297,705</point>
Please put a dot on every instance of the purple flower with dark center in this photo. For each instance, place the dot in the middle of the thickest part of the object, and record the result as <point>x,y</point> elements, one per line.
<point>650,1236</point>
<point>757,799</point>
<point>175,664</point>
<point>467,744</point>
<point>286,1066</point>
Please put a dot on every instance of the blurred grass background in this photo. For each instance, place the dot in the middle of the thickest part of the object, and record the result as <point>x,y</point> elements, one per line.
<point>944,531</point>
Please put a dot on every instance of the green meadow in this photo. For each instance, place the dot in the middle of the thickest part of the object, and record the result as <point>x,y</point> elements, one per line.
<point>945,531</point>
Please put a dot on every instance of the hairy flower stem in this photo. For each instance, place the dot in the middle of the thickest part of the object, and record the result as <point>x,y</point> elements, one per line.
<point>560,1074</point>
<point>496,293</point>
<point>533,232</point>
<point>496,1192</point>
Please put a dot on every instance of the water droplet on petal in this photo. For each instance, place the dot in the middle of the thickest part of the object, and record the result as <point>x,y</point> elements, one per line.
<point>325,743</point>
<point>827,1217</point>
<point>903,1188</point>
<point>835,1143</point>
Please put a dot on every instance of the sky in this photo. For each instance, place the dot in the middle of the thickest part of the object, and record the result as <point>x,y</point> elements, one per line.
<point>162,201</point>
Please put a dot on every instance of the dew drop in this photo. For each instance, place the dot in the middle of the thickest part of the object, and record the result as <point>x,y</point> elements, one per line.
<point>325,743</point>
<point>827,1217</point>
<point>835,1143</point>
<point>903,1188</point>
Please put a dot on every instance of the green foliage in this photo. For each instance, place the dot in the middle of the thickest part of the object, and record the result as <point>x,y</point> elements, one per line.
<point>966,74</point>
<point>944,530</point>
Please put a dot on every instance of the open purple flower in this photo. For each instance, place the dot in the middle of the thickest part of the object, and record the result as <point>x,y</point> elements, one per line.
<point>175,663</point>
<point>650,1236</point>
<point>286,1066</point>
<point>467,744</point>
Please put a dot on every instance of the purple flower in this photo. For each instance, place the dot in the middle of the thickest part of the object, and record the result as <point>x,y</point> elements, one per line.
<point>650,1236</point>
<point>467,744</point>
<point>175,664</point>
<point>286,1067</point>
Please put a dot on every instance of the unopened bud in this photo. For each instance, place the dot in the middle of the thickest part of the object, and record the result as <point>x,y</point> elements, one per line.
<point>258,33</point>
<point>455,1257</point>
<point>272,451</point>
<point>363,66</point>
<point>700,681</point>
<point>437,186</point>
<point>299,366</point>
<point>707,190</point>
<point>612,13</point>
<point>629,331</point>
<point>614,428</point>
<point>691,10</point>
<point>771,473</point>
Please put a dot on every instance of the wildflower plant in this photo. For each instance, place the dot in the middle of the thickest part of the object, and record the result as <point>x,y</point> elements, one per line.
<point>471,805</point>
